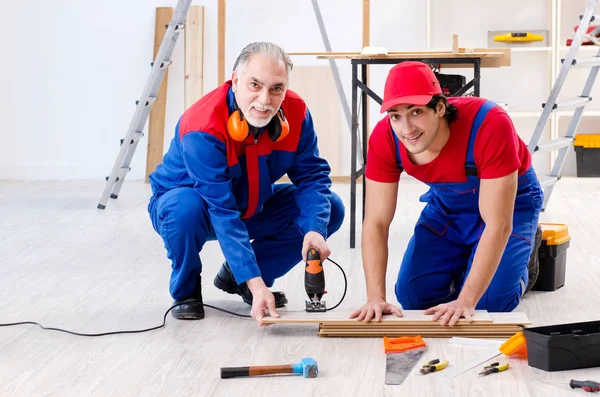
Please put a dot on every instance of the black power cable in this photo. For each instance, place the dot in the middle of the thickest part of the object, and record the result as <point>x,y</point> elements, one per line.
<point>165,316</point>
<point>345,285</point>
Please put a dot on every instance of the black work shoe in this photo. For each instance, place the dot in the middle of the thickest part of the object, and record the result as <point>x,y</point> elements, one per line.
<point>534,263</point>
<point>193,308</point>
<point>225,281</point>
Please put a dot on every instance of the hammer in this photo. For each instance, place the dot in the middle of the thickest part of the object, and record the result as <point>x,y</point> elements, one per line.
<point>307,367</point>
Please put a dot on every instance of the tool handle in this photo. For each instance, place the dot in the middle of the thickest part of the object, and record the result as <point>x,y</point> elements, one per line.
<point>313,260</point>
<point>314,278</point>
<point>587,385</point>
<point>235,372</point>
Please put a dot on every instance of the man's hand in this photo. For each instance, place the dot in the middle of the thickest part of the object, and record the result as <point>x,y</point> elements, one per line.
<point>374,309</point>
<point>262,299</point>
<point>317,240</point>
<point>450,312</point>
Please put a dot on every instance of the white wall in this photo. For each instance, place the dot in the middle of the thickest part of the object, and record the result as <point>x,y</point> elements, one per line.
<point>69,94</point>
<point>73,70</point>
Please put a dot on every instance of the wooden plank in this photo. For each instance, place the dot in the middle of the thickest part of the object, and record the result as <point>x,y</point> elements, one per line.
<point>410,317</point>
<point>432,327</point>
<point>502,325</point>
<point>389,321</point>
<point>316,85</point>
<point>422,332</point>
<point>461,51</point>
<point>483,320</point>
<point>423,328</point>
<point>504,60</point>
<point>432,335</point>
<point>421,55</point>
<point>426,328</point>
<point>342,317</point>
<point>315,53</point>
<point>487,62</point>
<point>194,55</point>
<point>490,58</point>
<point>221,42</point>
<point>419,330</point>
<point>156,122</point>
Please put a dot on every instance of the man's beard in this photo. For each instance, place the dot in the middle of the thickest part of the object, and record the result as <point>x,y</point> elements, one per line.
<point>259,122</point>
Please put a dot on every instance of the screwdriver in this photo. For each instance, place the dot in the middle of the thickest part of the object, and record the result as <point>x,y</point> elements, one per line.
<point>587,385</point>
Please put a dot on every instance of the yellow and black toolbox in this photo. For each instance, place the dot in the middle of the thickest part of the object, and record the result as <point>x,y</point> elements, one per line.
<point>587,150</point>
<point>552,256</point>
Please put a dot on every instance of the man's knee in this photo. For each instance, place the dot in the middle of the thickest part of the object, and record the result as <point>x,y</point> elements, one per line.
<point>498,304</point>
<point>409,297</point>
<point>185,210</point>
<point>512,275</point>
<point>495,300</point>
<point>403,295</point>
<point>338,212</point>
<point>421,293</point>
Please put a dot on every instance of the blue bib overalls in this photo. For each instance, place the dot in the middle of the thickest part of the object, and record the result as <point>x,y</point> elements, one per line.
<point>440,253</point>
<point>183,220</point>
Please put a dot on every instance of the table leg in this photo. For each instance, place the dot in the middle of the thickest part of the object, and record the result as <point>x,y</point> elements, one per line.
<point>365,140</point>
<point>476,76</point>
<point>354,151</point>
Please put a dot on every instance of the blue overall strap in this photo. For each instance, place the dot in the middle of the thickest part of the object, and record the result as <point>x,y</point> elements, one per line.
<point>470,166</point>
<point>397,146</point>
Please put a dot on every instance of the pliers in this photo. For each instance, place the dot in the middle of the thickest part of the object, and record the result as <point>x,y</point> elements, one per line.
<point>433,365</point>
<point>493,368</point>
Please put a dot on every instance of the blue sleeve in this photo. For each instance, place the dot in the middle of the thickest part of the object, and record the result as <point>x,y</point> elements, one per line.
<point>205,159</point>
<point>310,175</point>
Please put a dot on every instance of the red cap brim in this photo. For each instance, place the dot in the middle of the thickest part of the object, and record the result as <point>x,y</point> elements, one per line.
<point>418,100</point>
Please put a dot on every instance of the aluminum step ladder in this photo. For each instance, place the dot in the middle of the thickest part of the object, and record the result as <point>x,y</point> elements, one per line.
<point>562,145</point>
<point>144,104</point>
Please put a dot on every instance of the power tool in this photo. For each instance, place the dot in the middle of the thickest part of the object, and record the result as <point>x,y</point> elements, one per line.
<point>314,281</point>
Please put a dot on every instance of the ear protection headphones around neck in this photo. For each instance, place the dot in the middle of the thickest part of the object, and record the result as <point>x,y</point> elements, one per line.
<point>238,128</point>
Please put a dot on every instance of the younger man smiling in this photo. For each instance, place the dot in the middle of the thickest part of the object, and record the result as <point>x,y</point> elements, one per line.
<point>472,243</point>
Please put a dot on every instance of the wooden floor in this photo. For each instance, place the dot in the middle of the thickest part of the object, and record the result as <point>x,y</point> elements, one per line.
<point>68,265</point>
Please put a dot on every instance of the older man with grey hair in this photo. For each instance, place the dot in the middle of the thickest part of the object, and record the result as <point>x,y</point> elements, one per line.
<point>217,182</point>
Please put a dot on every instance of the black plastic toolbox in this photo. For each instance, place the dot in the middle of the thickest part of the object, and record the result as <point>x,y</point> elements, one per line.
<point>552,256</point>
<point>588,162</point>
<point>563,346</point>
<point>587,149</point>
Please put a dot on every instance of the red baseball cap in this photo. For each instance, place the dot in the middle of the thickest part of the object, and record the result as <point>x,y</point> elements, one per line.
<point>411,83</point>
